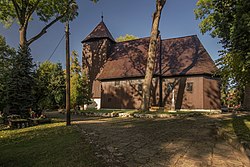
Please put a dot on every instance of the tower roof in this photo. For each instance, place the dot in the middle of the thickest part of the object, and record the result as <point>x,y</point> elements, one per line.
<point>100,31</point>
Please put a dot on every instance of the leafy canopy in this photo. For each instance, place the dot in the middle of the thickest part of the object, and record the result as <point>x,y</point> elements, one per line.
<point>48,11</point>
<point>229,20</point>
<point>79,88</point>
<point>49,90</point>
<point>22,11</point>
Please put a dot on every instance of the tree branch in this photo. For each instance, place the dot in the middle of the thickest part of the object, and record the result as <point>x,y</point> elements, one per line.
<point>31,11</point>
<point>23,11</point>
<point>18,10</point>
<point>44,30</point>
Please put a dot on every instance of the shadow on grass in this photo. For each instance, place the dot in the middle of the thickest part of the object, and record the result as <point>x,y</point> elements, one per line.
<point>237,129</point>
<point>240,128</point>
<point>45,145</point>
<point>157,141</point>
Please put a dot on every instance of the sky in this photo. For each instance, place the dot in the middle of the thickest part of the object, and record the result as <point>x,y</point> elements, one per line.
<point>121,17</point>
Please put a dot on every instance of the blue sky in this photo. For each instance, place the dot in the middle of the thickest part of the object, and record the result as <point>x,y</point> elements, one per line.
<point>121,17</point>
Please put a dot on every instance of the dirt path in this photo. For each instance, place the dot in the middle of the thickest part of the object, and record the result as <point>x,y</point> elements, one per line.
<point>160,142</point>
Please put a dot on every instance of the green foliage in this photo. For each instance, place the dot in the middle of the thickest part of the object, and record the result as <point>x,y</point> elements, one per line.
<point>16,78</point>
<point>46,10</point>
<point>126,37</point>
<point>38,146</point>
<point>79,90</point>
<point>232,98</point>
<point>229,21</point>
<point>20,81</point>
<point>6,53</point>
<point>49,90</point>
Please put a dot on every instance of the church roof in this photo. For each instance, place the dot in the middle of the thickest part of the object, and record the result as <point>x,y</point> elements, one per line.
<point>185,56</point>
<point>100,31</point>
<point>128,59</point>
<point>180,56</point>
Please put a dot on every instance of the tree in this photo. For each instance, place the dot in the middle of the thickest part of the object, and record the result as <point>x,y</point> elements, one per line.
<point>49,89</point>
<point>229,21</point>
<point>48,11</point>
<point>6,53</point>
<point>126,37</point>
<point>79,90</point>
<point>151,55</point>
<point>20,81</point>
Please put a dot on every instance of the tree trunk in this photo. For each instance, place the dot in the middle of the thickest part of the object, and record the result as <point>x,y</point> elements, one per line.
<point>246,99</point>
<point>151,55</point>
<point>22,38</point>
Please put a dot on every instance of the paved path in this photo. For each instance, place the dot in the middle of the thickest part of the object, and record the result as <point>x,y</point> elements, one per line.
<point>160,142</point>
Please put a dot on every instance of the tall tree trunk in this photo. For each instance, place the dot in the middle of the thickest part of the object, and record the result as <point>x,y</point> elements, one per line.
<point>22,36</point>
<point>151,55</point>
<point>246,98</point>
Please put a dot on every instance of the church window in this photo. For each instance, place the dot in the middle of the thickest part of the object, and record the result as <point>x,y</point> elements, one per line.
<point>117,83</point>
<point>170,87</point>
<point>140,87</point>
<point>189,87</point>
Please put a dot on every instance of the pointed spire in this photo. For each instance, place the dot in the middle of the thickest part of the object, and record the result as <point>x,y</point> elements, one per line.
<point>100,31</point>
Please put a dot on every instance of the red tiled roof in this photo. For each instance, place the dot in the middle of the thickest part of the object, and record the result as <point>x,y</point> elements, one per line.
<point>180,56</point>
<point>100,31</point>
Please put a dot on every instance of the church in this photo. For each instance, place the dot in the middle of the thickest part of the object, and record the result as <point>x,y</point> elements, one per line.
<point>183,77</point>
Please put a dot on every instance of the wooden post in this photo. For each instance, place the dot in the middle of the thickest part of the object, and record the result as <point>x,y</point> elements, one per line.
<point>160,78</point>
<point>67,76</point>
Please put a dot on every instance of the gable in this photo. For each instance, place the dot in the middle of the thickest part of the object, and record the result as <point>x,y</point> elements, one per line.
<point>185,56</point>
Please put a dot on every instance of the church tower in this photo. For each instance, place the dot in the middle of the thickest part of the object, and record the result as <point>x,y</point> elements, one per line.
<point>96,50</point>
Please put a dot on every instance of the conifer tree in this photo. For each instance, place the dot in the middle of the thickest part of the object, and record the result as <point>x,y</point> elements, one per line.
<point>20,82</point>
<point>5,53</point>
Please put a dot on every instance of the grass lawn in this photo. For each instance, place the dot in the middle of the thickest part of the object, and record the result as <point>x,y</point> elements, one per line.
<point>131,111</point>
<point>238,127</point>
<point>45,145</point>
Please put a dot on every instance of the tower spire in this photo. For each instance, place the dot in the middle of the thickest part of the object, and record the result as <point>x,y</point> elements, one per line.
<point>102,16</point>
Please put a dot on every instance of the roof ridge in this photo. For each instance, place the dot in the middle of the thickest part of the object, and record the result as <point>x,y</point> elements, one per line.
<point>194,35</point>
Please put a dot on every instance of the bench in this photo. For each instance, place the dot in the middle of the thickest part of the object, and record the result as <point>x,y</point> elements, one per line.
<point>37,121</point>
<point>18,123</point>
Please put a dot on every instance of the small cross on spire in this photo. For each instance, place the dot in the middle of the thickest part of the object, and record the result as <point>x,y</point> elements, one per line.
<point>102,16</point>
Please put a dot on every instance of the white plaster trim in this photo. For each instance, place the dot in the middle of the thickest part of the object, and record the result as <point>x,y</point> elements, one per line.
<point>201,110</point>
<point>98,102</point>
